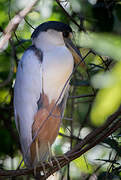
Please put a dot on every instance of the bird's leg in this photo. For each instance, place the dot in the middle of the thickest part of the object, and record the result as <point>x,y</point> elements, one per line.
<point>37,174</point>
<point>50,155</point>
<point>54,157</point>
<point>37,150</point>
<point>58,164</point>
<point>35,170</point>
<point>44,169</point>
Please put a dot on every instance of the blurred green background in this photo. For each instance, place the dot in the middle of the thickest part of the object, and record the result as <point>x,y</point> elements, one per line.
<point>95,91</point>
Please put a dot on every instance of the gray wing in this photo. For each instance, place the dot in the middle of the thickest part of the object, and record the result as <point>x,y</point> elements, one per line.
<point>27,91</point>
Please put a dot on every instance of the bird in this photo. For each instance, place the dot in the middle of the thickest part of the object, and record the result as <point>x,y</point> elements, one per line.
<point>41,89</point>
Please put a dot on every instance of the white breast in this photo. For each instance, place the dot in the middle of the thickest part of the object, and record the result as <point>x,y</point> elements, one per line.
<point>57,67</point>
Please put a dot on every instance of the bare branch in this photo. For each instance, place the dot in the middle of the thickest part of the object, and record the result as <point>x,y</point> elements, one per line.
<point>13,24</point>
<point>91,140</point>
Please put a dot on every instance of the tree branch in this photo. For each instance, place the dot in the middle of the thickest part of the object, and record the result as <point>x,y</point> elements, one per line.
<point>13,24</point>
<point>91,140</point>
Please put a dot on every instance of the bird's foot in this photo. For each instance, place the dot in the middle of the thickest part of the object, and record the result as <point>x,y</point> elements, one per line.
<point>35,172</point>
<point>38,174</point>
<point>44,169</point>
<point>50,162</point>
<point>58,164</point>
<point>52,156</point>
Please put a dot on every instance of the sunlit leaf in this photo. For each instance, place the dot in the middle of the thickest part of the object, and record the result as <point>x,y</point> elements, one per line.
<point>4,96</point>
<point>108,98</point>
<point>83,164</point>
<point>104,44</point>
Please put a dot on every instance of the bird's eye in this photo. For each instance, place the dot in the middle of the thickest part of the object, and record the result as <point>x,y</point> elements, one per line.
<point>65,34</point>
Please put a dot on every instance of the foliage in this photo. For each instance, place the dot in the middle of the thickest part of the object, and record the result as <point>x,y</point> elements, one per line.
<point>95,86</point>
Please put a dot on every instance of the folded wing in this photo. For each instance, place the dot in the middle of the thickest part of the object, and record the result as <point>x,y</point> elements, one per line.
<point>27,92</point>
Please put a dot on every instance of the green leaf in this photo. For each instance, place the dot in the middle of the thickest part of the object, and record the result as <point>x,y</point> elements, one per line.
<point>103,43</point>
<point>108,98</point>
<point>83,165</point>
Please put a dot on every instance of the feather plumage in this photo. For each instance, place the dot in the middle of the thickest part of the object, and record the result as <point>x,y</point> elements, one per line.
<point>37,79</point>
<point>27,91</point>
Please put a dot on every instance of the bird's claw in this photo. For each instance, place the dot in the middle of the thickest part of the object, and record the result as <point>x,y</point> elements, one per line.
<point>58,164</point>
<point>38,175</point>
<point>44,169</point>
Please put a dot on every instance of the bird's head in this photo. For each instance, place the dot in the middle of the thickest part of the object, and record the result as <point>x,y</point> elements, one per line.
<point>53,33</point>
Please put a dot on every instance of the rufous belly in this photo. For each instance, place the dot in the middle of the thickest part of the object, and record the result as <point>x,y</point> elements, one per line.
<point>47,124</point>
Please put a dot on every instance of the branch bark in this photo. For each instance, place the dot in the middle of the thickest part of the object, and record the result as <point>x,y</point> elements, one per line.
<point>91,140</point>
<point>13,24</point>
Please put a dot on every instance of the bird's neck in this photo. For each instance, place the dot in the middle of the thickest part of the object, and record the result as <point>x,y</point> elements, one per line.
<point>46,42</point>
<point>45,46</point>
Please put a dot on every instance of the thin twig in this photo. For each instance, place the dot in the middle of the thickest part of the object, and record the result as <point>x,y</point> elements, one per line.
<point>29,23</point>
<point>81,28</point>
<point>81,96</point>
<point>85,120</point>
<point>69,137</point>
